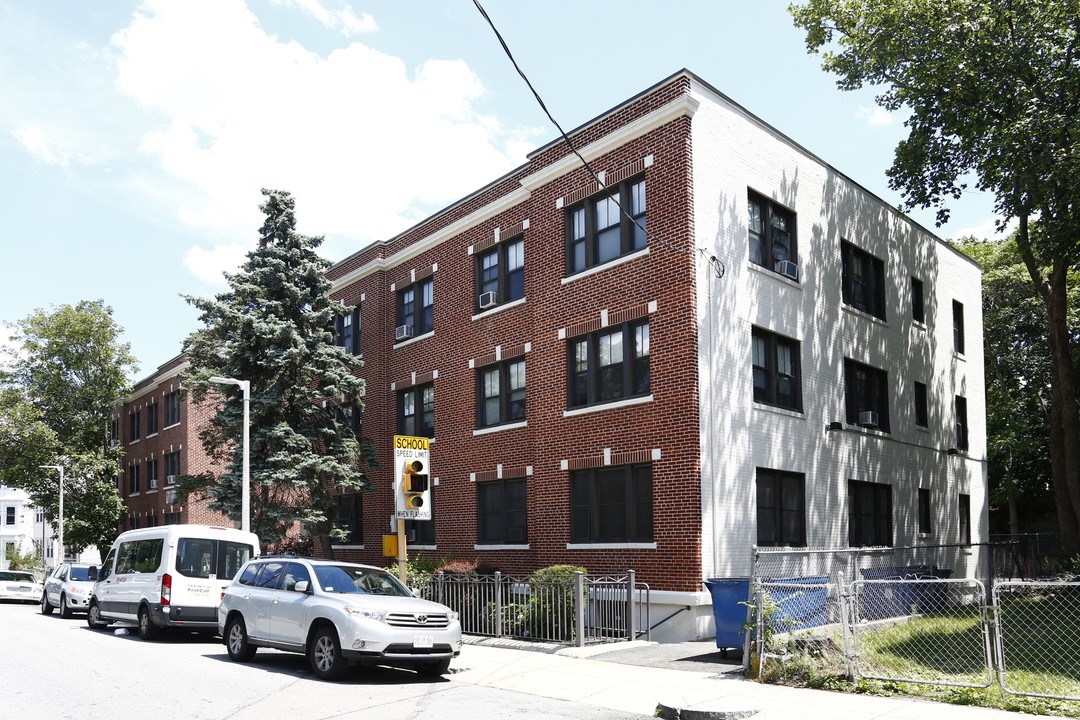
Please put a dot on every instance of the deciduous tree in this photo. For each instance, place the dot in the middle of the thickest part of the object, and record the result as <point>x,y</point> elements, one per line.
<point>993,92</point>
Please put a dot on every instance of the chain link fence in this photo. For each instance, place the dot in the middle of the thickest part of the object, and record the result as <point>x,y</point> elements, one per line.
<point>1037,625</point>
<point>920,615</point>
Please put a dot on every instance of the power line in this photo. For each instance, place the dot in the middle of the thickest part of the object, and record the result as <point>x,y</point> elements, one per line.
<point>716,263</point>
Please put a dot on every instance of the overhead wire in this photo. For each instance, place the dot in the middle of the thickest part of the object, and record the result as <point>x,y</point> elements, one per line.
<point>716,264</point>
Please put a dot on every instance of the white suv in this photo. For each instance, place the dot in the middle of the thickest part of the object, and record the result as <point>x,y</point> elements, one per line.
<point>337,613</point>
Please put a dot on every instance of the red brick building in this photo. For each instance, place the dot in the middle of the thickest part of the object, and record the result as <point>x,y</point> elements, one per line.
<point>159,430</point>
<point>781,359</point>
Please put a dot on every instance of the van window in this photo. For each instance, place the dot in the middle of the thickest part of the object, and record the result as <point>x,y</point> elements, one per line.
<point>205,558</point>
<point>107,566</point>
<point>148,556</point>
<point>125,557</point>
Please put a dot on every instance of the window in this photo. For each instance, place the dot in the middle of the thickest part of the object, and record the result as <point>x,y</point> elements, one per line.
<point>151,419</point>
<point>611,504</point>
<point>501,270</point>
<point>922,413</point>
<point>351,416</point>
<point>172,408</point>
<point>134,421</point>
<point>867,391</point>
<point>133,479</point>
<point>610,364</point>
<point>172,518</point>
<point>415,308</point>
<point>918,307</point>
<point>350,518</point>
<point>416,411</point>
<point>347,331</point>
<point>777,379</point>
<point>781,508</point>
<point>501,393</point>
<point>599,232</point>
<point>965,519</point>
<point>862,280</point>
<point>9,515</point>
<point>152,474</point>
<point>869,514</point>
<point>958,326</point>
<point>772,233</point>
<point>114,432</point>
<point>961,423</point>
<point>172,467</point>
<point>501,512</point>
<point>924,511</point>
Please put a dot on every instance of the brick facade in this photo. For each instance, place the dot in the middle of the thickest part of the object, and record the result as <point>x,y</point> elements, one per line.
<point>697,427</point>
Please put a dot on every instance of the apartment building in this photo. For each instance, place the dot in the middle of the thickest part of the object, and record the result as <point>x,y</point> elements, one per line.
<point>159,430</point>
<point>781,359</point>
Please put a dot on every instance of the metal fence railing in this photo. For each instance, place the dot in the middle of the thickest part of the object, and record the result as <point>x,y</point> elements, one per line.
<point>572,609</point>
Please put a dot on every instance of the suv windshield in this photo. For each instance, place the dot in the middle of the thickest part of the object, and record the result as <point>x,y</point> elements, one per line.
<point>79,573</point>
<point>360,580</point>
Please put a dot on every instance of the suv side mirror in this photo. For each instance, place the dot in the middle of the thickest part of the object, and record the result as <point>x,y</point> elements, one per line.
<point>91,574</point>
<point>302,586</point>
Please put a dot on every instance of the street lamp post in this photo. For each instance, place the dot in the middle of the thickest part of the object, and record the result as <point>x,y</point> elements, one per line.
<point>245,480</point>
<point>59,525</point>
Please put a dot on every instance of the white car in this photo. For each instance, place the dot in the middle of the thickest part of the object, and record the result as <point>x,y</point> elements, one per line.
<point>19,585</point>
<point>68,588</point>
<point>338,614</point>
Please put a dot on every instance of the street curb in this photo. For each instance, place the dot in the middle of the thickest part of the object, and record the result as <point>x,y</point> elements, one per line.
<point>671,709</point>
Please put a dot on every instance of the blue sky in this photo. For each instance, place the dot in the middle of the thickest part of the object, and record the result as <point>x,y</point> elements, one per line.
<point>135,136</point>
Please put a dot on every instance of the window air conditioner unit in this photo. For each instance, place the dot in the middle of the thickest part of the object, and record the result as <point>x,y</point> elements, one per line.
<point>868,418</point>
<point>170,479</point>
<point>403,332</point>
<point>153,484</point>
<point>488,299</point>
<point>787,269</point>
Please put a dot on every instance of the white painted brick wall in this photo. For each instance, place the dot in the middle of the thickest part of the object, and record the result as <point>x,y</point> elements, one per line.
<point>732,152</point>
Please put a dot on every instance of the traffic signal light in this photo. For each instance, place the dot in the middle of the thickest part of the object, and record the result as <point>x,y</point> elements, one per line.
<point>415,483</point>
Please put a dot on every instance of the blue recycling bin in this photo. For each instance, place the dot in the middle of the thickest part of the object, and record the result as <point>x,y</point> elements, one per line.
<point>891,599</point>
<point>800,607</point>
<point>729,613</point>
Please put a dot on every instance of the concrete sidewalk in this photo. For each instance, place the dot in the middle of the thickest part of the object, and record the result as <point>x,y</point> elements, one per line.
<point>579,675</point>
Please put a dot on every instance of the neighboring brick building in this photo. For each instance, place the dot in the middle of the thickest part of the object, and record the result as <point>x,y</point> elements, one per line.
<point>159,430</point>
<point>602,399</point>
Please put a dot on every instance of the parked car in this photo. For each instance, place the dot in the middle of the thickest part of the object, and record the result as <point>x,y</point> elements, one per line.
<point>168,577</point>
<point>68,588</point>
<point>338,614</point>
<point>19,585</point>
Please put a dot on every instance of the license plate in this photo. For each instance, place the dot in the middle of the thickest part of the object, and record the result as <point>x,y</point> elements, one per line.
<point>423,641</point>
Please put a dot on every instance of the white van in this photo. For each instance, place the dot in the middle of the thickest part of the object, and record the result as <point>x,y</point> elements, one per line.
<point>169,576</point>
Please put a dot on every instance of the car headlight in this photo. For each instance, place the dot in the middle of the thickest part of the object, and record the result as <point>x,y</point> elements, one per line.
<point>453,616</point>
<point>76,591</point>
<point>365,613</point>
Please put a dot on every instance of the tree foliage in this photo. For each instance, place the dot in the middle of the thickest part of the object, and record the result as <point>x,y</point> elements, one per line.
<point>993,91</point>
<point>1018,376</point>
<point>70,374</point>
<point>274,328</point>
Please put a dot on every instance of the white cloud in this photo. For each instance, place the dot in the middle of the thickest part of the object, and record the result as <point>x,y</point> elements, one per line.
<point>875,116</point>
<point>35,142</point>
<point>208,265</point>
<point>987,229</point>
<point>344,19</point>
<point>365,147</point>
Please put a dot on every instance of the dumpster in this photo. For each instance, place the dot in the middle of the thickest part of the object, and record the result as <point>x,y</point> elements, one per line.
<point>728,612</point>
<point>932,595</point>
<point>799,608</point>
<point>882,600</point>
